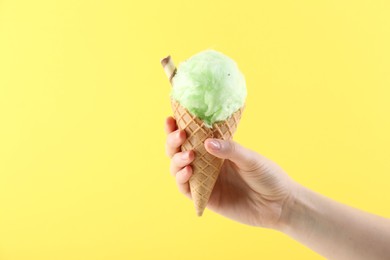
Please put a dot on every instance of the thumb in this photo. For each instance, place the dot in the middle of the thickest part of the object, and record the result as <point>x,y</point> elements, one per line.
<point>244,158</point>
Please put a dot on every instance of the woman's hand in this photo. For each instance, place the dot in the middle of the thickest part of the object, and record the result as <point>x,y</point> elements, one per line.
<point>250,188</point>
<point>254,190</point>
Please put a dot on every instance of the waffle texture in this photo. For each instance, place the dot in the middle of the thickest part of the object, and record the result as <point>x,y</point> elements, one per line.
<point>205,166</point>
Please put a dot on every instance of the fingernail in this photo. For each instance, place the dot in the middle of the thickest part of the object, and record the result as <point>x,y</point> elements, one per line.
<point>215,145</point>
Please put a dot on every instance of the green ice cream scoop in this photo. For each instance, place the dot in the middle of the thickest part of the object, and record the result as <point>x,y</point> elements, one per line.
<point>210,86</point>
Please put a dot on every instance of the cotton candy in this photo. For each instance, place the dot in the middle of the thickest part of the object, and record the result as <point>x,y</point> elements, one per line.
<point>210,86</point>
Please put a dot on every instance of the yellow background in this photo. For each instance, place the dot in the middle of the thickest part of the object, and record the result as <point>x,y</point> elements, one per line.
<point>83,174</point>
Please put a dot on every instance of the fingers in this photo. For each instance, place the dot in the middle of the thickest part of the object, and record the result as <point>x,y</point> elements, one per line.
<point>174,141</point>
<point>180,160</point>
<point>175,137</point>
<point>182,178</point>
<point>170,125</point>
<point>241,156</point>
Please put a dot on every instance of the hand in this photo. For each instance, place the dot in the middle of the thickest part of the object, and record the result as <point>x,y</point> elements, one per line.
<point>250,188</point>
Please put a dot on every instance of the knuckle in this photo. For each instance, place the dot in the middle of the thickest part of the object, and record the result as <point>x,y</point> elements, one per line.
<point>181,177</point>
<point>176,158</point>
<point>170,139</point>
<point>175,139</point>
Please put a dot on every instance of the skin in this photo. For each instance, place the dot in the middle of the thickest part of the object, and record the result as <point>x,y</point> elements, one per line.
<point>253,190</point>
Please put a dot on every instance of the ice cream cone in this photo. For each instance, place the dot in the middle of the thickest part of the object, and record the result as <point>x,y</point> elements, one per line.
<point>205,166</point>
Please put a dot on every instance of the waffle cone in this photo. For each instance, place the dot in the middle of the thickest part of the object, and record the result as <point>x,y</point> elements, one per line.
<point>205,166</point>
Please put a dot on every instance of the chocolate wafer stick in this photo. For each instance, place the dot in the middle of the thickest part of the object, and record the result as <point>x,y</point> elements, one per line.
<point>169,67</point>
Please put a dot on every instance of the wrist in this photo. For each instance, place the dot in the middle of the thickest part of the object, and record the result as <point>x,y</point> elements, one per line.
<point>293,208</point>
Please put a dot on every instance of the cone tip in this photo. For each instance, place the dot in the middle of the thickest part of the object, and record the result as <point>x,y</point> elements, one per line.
<point>199,212</point>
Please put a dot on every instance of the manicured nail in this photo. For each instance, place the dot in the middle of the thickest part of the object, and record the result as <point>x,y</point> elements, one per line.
<point>215,145</point>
